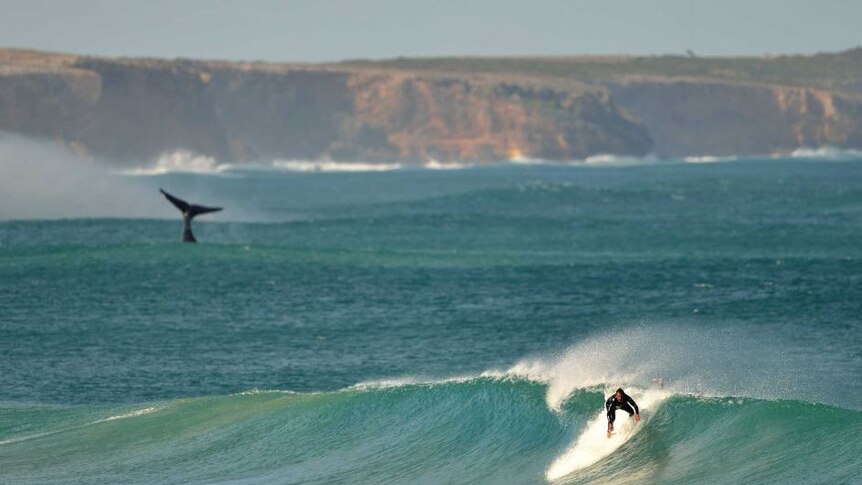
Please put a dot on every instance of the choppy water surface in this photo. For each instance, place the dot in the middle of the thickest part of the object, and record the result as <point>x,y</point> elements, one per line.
<point>443,326</point>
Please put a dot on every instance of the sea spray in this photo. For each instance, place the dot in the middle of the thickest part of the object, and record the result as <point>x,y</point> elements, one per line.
<point>685,358</point>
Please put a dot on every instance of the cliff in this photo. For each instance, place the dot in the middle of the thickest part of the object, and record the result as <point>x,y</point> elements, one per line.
<point>133,110</point>
<point>705,117</point>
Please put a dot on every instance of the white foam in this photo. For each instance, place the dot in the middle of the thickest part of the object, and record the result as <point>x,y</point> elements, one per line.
<point>413,381</point>
<point>132,414</point>
<point>264,392</point>
<point>435,165</point>
<point>692,359</point>
<point>181,161</point>
<point>523,160</point>
<point>826,153</point>
<point>598,160</point>
<point>709,159</point>
<point>597,361</point>
<point>604,159</point>
<point>607,159</point>
<point>327,166</point>
<point>593,444</point>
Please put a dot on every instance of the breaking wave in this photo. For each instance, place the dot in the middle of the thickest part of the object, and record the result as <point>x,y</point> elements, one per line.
<point>322,166</point>
<point>479,430</point>
<point>710,159</point>
<point>435,165</point>
<point>181,161</point>
<point>539,421</point>
<point>827,153</point>
<point>185,161</point>
<point>618,160</point>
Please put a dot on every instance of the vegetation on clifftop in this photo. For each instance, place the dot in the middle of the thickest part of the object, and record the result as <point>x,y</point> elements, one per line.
<point>842,71</point>
<point>414,110</point>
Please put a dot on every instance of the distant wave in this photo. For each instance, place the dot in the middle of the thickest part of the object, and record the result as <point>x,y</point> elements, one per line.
<point>185,161</point>
<point>326,166</point>
<point>435,165</point>
<point>826,153</point>
<point>618,160</point>
<point>524,160</point>
<point>601,159</point>
<point>710,159</point>
<point>181,161</point>
<point>821,153</point>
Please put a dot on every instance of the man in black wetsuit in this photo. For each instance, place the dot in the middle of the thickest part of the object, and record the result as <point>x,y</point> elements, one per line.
<point>620,400</point>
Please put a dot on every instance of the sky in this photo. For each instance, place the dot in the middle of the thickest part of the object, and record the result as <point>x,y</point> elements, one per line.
<point>330,30</point>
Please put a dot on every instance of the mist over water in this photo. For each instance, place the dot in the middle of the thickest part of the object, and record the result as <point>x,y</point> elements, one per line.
<point>41,180</point>
<point>430,325</point>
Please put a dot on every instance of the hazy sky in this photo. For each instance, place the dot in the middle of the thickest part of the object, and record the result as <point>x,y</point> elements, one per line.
<point>323,30</point>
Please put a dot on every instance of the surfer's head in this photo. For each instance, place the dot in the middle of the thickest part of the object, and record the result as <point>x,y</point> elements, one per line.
<point>620,394</point>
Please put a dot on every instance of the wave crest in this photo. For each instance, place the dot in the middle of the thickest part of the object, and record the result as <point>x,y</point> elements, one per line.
<point>436,165</point>
<point>327,166</point>
<point>827,153</point>
<point>485,430</point>
<point>181,161</point>
<point>710,159</point>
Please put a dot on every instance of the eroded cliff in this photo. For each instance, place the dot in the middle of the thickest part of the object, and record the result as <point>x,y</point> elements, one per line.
<point>704,117</point>
<point>133,110</point>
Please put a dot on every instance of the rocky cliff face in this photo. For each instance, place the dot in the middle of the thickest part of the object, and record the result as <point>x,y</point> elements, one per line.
<point>46,102</point>
<point>408,117</point>
<point>134,110</point>
<point>696,117</point>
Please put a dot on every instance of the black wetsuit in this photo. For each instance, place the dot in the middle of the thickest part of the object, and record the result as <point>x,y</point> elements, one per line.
<point>626,405</point>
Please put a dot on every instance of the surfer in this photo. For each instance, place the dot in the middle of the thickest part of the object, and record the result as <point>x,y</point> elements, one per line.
<point>620,400</point>
<point>189,212</point>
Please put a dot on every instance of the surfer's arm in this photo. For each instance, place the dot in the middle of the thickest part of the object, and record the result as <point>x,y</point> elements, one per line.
<point>634,405</point>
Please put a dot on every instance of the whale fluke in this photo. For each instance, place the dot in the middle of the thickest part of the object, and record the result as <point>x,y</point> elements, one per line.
<point>189,212</point>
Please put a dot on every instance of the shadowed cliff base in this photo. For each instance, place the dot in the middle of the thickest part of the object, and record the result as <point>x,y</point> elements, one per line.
<point>132,111</point>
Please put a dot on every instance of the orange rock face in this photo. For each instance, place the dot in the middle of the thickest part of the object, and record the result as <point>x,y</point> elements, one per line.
<point>704,117</point>
<point>132,111</point>
<point>421,118</point>
<point>135,110</point>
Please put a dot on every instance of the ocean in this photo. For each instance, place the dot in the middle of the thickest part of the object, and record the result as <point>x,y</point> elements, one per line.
<point>420,326</point>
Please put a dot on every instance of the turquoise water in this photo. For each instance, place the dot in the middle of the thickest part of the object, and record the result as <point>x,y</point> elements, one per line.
<point>457,326</point>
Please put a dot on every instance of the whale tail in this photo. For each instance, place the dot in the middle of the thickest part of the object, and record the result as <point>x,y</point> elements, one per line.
<point>189,212</point>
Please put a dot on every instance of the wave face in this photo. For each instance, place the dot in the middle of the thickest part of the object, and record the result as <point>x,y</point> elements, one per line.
<point>481,430</point>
